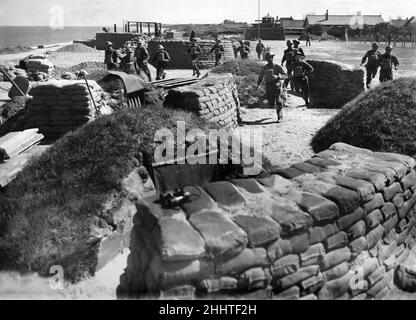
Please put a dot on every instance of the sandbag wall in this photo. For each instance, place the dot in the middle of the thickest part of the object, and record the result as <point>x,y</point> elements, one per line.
<point>181,60</point>
<point>333,84</point>
<point>61,106</point>
<point>214,99</point>
<point>335,229</point>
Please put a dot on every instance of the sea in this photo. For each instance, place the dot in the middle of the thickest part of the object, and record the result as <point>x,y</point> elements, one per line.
<point>11,37</point>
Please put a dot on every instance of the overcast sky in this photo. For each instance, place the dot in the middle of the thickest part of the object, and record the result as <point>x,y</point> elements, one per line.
<point>108,12</point>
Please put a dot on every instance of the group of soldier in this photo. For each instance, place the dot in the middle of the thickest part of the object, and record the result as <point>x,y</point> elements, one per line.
<point>376,60</point>
<point>277,79</point>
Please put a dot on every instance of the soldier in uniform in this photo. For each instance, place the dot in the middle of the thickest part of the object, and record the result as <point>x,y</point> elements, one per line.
<point>127,62</point>
<point>289,58</point>
<point>372,57</point>
<point>161,60</point>
<point>296,44</point>
<point>111,57</point>
<point>194,50</point>
<point>244,50</point>
<point>387,60</point>
<point>260,48</point>
<point>272,73</point>
<point>142,57</point>
<point>308,38</point>
<point>300,70</point>
<point>218,50</point>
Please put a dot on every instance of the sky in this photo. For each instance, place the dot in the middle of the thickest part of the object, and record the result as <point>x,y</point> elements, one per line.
<point>108,12</point>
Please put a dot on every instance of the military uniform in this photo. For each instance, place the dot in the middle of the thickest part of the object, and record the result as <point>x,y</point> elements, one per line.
<point>260,48</point>
<point>127,63</point>
<point>300,72</point>
<point>218,50</point>
<point>386,62</point>
<point>373,57</point>
<point>289,58</point>
<point>194,51</point>
<point>161,60</point>
<point>244,50</point>
<point>142,57</point>
<point>111,58</point>
<point>270,73</point>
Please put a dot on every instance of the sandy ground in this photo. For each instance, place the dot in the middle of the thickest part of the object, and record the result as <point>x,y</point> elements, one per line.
<point>287,142</point>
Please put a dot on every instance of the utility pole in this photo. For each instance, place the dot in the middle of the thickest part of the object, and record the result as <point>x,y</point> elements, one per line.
<point>258,24</point>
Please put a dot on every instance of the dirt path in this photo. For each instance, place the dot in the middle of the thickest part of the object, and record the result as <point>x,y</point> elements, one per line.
<point>287,142</point>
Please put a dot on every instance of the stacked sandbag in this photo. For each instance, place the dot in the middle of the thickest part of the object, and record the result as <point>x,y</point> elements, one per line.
<point>181,60</point>
<point>214,99</point>
<point>40,65</point>
<point>333,84</point>
<point>333,227</point>
<point>61,106</point>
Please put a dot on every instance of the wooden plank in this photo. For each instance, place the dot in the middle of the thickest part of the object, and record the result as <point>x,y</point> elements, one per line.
<point>11,168</point>
<point>21,142</point>
<point>13,135</point>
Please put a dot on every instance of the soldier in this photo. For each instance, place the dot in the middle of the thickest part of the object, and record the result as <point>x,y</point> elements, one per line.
<point>300,70</point>
<point>194,50</point>
<point>142,57</point>
<point>289,58</point>
<point>218,50</point>
<point>272,73</point>
<point>127,62</point>
<point>111,57</point>
<point>244,50</point>
<point>161,59</point>
<point>260,48</point>
<point>296,44</point>
<point>372,57</point>
<point>308,38</point>
<point>386,62</point>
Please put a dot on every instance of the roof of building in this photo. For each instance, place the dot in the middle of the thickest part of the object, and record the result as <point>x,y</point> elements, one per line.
<point>293,24</point>
<point>343,19</point>
<point>399,23</point>
<point>268,16</point>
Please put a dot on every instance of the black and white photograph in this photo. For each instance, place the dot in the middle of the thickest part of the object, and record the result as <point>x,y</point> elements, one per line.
<point>226,151</point>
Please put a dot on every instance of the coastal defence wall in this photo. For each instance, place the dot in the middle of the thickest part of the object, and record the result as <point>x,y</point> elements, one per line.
<point>214,99</point>
<point>332,227</point>
<point>333,84</point>
<point>181,60</point>
<point>117,38</point>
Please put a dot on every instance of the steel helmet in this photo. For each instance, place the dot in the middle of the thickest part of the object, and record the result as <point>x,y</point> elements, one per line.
<point>389,47</point>
<point>160,47</point>
<point>289,42</point>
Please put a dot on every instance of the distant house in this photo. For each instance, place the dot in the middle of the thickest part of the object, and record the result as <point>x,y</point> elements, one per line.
<point>329,21</point>
<point>403,23</point>
<point>293,26</point>
<point>268,28</point>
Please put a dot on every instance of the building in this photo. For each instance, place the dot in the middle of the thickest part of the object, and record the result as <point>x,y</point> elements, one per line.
<point>292,26</point>
<point>268,29</point>
<point>357,21</point>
